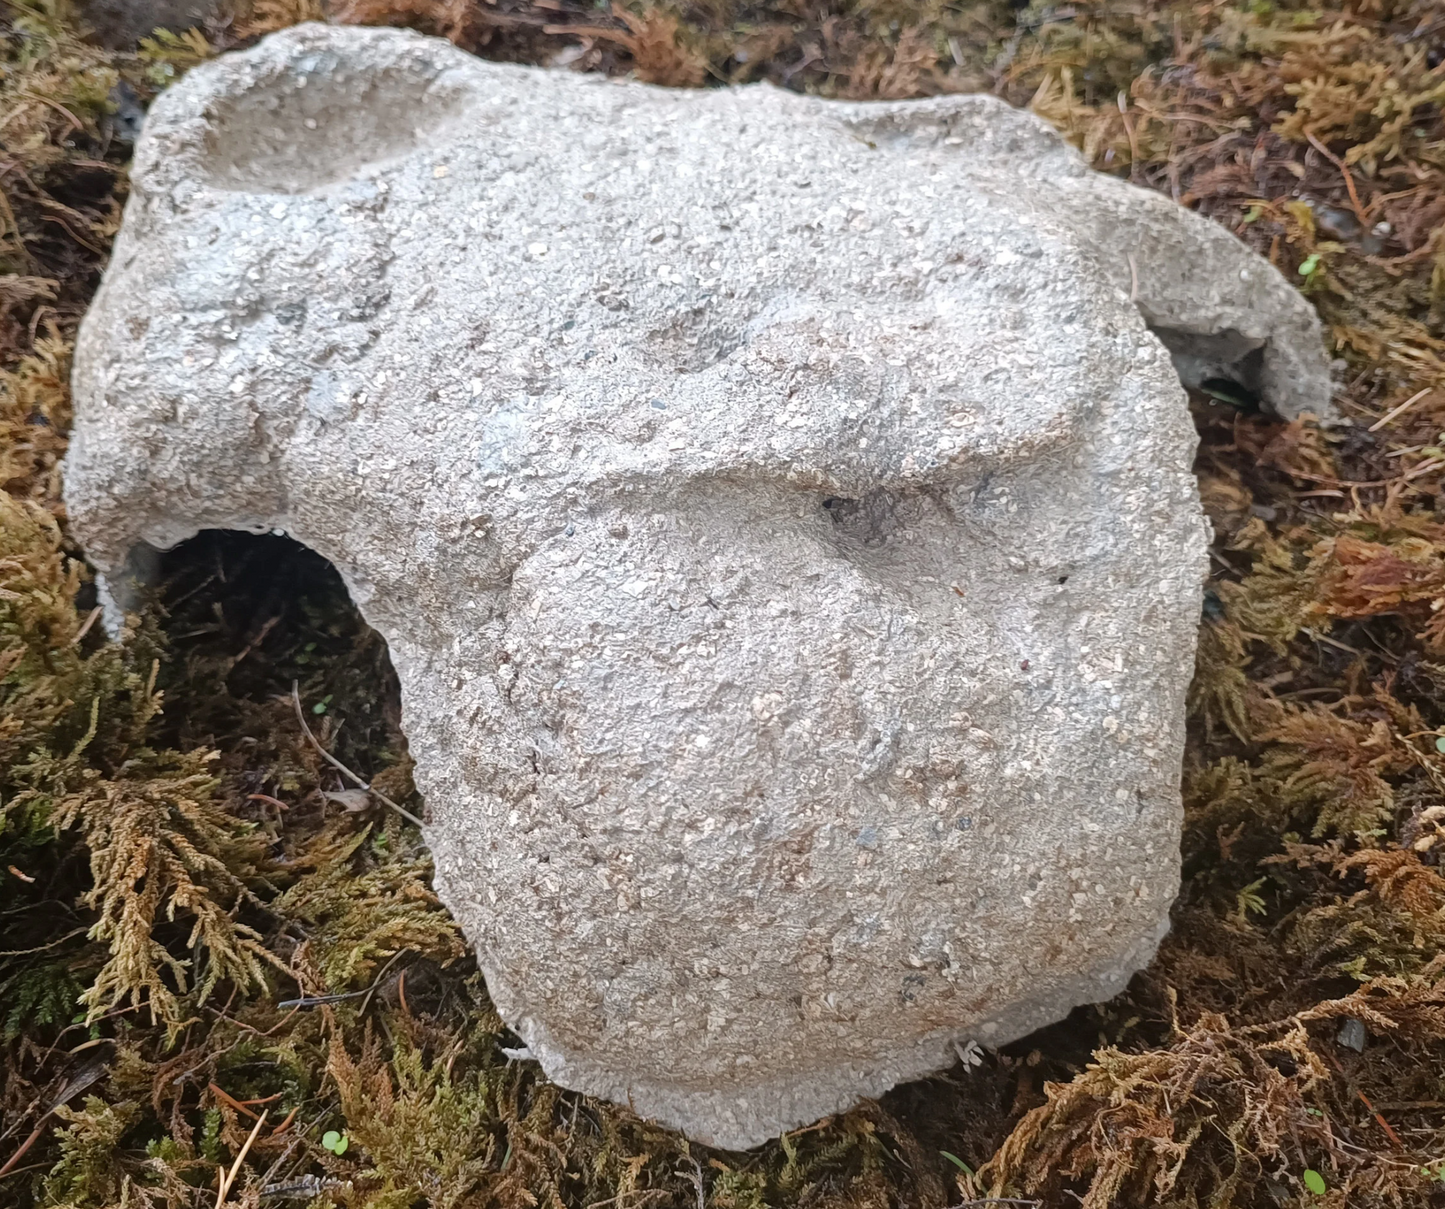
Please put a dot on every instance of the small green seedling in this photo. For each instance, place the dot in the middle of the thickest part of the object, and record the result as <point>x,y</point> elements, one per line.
<point>1254,213</point>
<point>1217,390</point>
<point>1310,265</point>
<point>1440,745</point>
<point>1314,1181</point>
<point>957,1162</point>
<point>338,1142</point>
<point>320,706</point>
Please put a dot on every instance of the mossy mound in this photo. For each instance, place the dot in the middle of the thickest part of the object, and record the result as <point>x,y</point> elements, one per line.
<point>224,975</point>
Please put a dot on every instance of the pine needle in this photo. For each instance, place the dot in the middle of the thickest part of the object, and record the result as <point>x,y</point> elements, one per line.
<point>340,767</point>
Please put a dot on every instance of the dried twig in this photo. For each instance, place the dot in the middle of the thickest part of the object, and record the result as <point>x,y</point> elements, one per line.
<point>339,766</point>
<point>73,1087</point>
<point>59,940</point>
<point>85,626</point>
<point>401,992</point>
<point>24,1146</point>
<point>1359,210</point>
<point>997,1200</point>
<point>240,1105</point>
<point>1395,413</point>
<point>258,640</point>
<point>228,1179</point>
<point>308,1001</point>
<point>694,1177</point>
<point>1365,1100</point>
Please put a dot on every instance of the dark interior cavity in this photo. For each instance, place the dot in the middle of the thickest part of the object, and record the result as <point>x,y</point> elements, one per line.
<point>246,616</point>
<point>1227,365</point>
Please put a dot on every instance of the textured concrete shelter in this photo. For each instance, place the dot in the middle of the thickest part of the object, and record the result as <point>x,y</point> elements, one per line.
<point>779,513</point>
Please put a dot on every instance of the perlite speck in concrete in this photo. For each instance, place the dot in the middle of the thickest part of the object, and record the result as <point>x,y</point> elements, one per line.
<point>779,512</point>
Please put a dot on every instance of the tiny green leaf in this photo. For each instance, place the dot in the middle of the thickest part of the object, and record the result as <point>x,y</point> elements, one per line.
<point>1440,745</point>
<point>340,1147</point>
<point>1310,264</point>
<point>1254,213</point>
<point>957,1162</point>
<point>1314,1181</point>
<point>1237,398</point>
<point>331,1139</point>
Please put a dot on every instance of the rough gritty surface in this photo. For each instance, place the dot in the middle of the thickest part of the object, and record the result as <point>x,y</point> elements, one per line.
<point>779,513</point>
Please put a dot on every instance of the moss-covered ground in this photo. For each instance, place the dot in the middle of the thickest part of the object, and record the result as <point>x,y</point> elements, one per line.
<point>224,978</point>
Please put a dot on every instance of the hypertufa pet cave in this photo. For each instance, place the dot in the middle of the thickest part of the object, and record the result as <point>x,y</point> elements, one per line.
<point>779,512</point>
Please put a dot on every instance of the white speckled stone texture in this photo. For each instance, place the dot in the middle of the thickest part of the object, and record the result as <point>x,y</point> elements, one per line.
<point>779,512</point>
